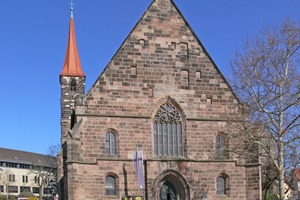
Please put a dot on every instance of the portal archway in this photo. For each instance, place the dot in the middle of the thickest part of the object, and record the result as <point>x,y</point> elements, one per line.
<point>170,185</point>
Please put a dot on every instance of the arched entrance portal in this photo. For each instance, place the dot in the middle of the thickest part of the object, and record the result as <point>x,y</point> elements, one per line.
<point>170,185</point>
<point>167,192</point>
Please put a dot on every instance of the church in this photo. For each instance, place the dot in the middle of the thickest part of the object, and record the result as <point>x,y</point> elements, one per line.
<point>163,98</point>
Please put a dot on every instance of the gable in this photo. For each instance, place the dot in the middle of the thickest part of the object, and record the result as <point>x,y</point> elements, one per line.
<point>160,57</point>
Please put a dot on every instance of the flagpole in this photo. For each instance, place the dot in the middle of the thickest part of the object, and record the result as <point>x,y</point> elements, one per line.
<point>137,150</point>
<point>138,164</point>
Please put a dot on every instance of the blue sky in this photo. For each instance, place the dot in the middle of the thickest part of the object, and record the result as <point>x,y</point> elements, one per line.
<point>33,39</point>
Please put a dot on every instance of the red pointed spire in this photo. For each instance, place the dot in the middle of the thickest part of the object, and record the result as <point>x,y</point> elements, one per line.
<point>72,66</point>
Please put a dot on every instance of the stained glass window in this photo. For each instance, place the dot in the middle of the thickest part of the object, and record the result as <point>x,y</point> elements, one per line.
<point>168,131</point>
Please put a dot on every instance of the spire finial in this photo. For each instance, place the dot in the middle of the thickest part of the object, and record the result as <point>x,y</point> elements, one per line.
<point>72,8</point>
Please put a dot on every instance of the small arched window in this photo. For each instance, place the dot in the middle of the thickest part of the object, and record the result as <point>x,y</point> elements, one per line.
<point>110,144</point>
<point>168,137</point>
<point>110,185</point>
<point>222,184</point>
<point>221,146</point>
<point>184,76</point>
<point>73,85</point>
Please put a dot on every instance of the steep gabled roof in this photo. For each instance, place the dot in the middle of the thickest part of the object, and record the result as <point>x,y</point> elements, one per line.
<point>172,3</point>
<point>72,66</point>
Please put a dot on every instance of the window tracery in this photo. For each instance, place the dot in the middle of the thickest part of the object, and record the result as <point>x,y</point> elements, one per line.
<point>168,131</point>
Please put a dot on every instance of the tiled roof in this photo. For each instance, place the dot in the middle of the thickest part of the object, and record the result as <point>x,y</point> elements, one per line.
<point>72,66</point>
<point>23,157</point>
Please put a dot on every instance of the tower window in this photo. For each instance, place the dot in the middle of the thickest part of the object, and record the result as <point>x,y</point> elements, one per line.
<point>168,131</point>
<point>110,144</point>
<point>110,185</point>
<point>73,85</point>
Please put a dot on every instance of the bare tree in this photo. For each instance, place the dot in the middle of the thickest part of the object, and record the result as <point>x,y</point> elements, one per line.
<point>46,175</point>
<point>5,179</point>
<point>266,77</point>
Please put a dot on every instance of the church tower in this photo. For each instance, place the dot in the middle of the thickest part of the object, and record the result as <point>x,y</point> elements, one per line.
<point>72,81</point>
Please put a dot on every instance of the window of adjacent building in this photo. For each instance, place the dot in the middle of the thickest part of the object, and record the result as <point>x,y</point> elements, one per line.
<point>13,165</point>
<point>221,146</point>
<point>12,189</point>
<point>110,185</point>
<point>222,184</point>
<point>168,131</point>
<point>73,85</point>
<point>110,144</point>
<point>25,179</point>
<point>24,166</point>
<point>47,190</point>
<point>36,179</point>
<point>35,190</point>
<point>22,188</point>
<point>1,188</point>
<point>11,178</point>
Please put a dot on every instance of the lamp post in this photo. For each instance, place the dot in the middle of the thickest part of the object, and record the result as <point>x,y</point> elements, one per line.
<point>1,170</point>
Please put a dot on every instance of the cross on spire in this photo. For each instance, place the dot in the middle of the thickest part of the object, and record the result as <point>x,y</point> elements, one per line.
<point>72,8</point>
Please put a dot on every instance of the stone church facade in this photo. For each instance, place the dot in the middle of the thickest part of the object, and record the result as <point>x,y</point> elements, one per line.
<point>162,94</point>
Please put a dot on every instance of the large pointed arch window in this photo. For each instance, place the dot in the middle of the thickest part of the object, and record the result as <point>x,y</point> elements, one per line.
<point>168,131</point>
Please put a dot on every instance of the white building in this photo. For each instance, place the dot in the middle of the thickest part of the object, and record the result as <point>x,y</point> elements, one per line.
<point>21,171</point>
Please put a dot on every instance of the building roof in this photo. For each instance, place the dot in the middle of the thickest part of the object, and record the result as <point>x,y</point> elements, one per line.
<point>72,66</point>
<point>16,156</point>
